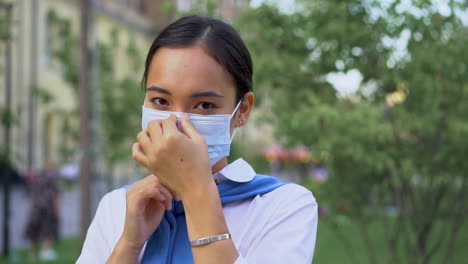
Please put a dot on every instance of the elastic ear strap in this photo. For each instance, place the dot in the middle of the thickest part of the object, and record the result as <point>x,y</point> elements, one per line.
<point>235,129</point>
<point>233,134</point>
<point>235,109</point>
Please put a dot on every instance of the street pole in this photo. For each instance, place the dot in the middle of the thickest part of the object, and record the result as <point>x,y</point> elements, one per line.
<point>33,85</point>
<point>20,49</point>
<point>84,120</point>
<point>7,125</point>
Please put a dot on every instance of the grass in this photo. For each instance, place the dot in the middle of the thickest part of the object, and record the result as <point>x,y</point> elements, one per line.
<point>329,249</point>
<point>67,250</point>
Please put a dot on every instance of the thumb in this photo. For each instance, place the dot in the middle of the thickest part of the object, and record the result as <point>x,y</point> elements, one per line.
<point>188,129</point>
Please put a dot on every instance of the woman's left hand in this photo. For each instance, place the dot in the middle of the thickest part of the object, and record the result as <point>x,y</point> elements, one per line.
<point>178,159</point>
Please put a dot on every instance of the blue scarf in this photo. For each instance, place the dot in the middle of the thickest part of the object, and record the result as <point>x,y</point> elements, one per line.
<point>170,242</point>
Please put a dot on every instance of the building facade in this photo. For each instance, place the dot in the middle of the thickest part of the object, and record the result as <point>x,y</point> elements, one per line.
<point>44,100</point>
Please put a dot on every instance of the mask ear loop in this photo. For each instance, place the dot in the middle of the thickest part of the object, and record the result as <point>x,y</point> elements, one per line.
<point>233,113</point>
<point>235,109</point>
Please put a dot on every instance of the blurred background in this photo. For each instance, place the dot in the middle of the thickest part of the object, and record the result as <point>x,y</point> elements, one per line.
<point>361,101</point>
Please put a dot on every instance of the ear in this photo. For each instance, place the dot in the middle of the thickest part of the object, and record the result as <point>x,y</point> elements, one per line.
<point>243,113</point>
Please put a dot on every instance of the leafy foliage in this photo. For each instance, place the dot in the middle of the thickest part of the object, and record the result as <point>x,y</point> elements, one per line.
<point>118,97</point>
<point>8,117</point>
<point>401,145</point>
<point>6,21</point>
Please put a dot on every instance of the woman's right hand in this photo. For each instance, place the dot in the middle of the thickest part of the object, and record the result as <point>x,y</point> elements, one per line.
<point>147,201</point>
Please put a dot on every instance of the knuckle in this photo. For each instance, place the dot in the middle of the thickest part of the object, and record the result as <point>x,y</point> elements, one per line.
<point>163,148</point>
<point>165,122</point>
<point>131,192</point>
<point>156,179</point>
<point>201,140</point>
<point>153,123</point>
<point>172,138</point>
<point>153,182</point>
<point>151,159</point>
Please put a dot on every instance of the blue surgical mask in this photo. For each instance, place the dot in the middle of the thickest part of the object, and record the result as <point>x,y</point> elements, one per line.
<point>216,129</point>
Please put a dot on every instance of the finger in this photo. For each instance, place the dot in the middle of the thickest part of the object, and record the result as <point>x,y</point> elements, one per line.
<point>189,129</point>
<point>168,201</point>
<point>139,195</point>
<point>145,181</point>
<point>175,195</point>
<point>138,155</point>
<point>169,126</point>
<point>153,180</point>
<point>150,192</point>
<point>144,140</point>
<point>155,196</point>
<point>155,130</point>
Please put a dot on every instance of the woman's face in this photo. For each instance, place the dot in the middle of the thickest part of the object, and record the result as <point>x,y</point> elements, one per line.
<point>189,80</point>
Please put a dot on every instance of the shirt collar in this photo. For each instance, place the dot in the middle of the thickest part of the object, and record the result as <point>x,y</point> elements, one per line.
<point>238,171</point>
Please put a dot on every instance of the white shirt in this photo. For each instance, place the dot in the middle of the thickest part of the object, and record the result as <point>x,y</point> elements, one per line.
<point>275,227</point>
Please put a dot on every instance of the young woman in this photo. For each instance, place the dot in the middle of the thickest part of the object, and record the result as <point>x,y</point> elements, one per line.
<point>195,207</point>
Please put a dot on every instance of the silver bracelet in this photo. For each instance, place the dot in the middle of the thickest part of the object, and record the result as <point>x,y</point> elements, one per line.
<point>207,240</point>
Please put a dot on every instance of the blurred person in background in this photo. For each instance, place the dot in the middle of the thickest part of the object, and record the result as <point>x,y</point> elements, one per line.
<point>43,225</point>
<point>7,170</point>
<point>194,207</point>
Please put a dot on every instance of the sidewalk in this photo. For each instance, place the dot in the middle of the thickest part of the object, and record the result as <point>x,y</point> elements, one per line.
<point>20,207</point>
<point>69,217</point>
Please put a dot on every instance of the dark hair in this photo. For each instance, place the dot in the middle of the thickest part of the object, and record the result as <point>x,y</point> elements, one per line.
<point>221,41</point>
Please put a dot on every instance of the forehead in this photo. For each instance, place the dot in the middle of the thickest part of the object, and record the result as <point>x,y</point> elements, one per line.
<point>188,70</point>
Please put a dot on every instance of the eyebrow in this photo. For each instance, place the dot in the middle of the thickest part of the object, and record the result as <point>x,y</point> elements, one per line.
<point>195,95</point>
<point>206,94</point>
<point>158,89</point>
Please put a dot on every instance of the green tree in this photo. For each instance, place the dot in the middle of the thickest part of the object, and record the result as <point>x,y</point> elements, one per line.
<point>401,140</point>
<point>119,99</point>
<point>8,117</point>
<point>61,44</point>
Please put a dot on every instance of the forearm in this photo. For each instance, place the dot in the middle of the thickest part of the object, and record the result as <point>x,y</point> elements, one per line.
<point>204,215</point>
<point>124,253</point>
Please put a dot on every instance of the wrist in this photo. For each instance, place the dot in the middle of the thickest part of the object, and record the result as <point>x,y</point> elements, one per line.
<point>126,251</point>
<point>201,192</point>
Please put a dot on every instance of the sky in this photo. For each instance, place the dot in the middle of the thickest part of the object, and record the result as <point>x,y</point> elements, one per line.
<point>285,5</point>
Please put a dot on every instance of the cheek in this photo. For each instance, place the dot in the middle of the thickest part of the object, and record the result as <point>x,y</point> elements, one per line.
<point>146,101</point>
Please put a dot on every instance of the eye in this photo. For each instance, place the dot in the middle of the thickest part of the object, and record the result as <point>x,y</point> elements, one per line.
<point>159,101</point>
<point>205,106</point>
